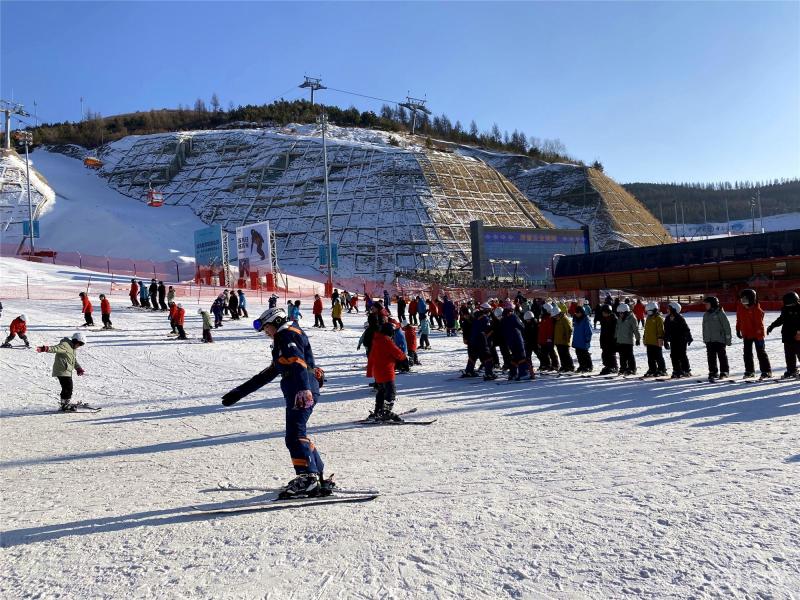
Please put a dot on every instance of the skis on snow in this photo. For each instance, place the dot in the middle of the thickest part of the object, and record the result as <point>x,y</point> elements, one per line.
<point>277,504</point>
<point>402,422</point>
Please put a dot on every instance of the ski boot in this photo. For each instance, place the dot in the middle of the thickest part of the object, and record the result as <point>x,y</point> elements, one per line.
<point>388,415</point>
<point>676,375</point>
<point>649,373</point>
<point>466,374</point>
<point>723,376</point>
<point>766,375</point>
<point>67,406</point>
<point>662,373</point>
<point>6,345</point>
<point>305,485</point>
<point>326,486</point>
<point>489,377</point>
<point>712,377</point>
<point>749,375</point>
<point>789,375</point>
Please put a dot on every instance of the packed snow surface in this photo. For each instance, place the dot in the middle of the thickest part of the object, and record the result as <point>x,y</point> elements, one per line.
<point>742,226</point>
<point>556,488</point>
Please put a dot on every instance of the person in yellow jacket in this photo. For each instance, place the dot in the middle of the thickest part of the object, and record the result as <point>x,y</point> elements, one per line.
<point>336,315</point>
<point>562,338</point>
<point>654,341</point>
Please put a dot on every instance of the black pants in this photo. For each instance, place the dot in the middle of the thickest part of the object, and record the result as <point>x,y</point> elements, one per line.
<point>413,318</point>
<point>88,318</point>
<point>548,358</point>
<point>162,301</point>
<point>763,359</point>
<point>181,332</point>
<point>22,336</point>
<point>384,396</point>
<point>66,388</point>
<point>584,359</point>
<point>680,361</point>
<point>565,357</point>
<point>715,351</point>
<point>135,300</point>
<point>106,319</point>
<point>655,359</point>
<point>243,312</point>
<point>172,324</point>
<point>627,362</point>
<point>318,322</point>
<point>337,322</point>
<point>608,355</point>
<point>412,357</point>
<point>423,341</point>
<point>401,314</point>
<point>207,335</point>
<point>791,350</point>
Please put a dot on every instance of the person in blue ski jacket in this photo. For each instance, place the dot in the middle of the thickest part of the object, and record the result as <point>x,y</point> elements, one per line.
<point>513,331</point>
<point>399,339</point>
<point>293,362</point>
<point>294,311</point>
<point>478,347</point>
<point>582,339</point>
<point>242,304</point>
<point>144,295</point>
<point>422,308</point>
<point>217,309</point>
<point>449,313</point>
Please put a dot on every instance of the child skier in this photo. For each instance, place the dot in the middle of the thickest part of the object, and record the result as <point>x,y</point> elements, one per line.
<point>105,311</point>
<point>548,358</point>
<point>293,362</point>
<point>134,293</point>
<point>513,330</point>
<point>654,342</point>
<point>677,337</point>
<point>336,315</point>
<point>17,327</point>
<point>608,340</point>
<point>411,341</point>
<point>86,309</point>
<point>639,311</point>
<point>294,312</point>
<point>383,356</point>
<point>789,321</point>
<point>716,336</point>
<point>144,295</point>
<point>180,313</point>
<point>562,337</point>
<point>750,328</point>
<point>242,304</point>
<point>217,310</point>
<point>64,363</point>
<point>424,332</point>
<point>627,329</point>
<point>204,314</point>
<point>171,316</point>
<point>316,310</point>
<point>582,339</point>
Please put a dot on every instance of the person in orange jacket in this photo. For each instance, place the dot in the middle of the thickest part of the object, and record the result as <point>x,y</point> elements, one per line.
<point>750,328</point>
<point>134,293</point>
<point>639,311</point>
<point>86,309</point>
<point>18,327</point>
<point>105,312</point>
<point>383,357</point>
<point>411,341</point>
<point>173,308</point>
<point>316,310</point>
<point>180,313</point>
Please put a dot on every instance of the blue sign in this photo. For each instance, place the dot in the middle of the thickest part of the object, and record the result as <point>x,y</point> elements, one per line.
<point>323,255</point>
<point>26,228</point>
<point>208,246</point>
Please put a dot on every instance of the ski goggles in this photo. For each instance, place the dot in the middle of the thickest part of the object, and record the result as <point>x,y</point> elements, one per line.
<point>259,325</point>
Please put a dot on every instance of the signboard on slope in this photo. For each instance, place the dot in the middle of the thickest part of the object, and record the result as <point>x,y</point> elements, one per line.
<point>323,255</point>
<point>26,229</point>
<point>253,249</point>
<point>208,246</point>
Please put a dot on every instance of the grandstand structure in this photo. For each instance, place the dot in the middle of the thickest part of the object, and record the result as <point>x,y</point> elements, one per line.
<point>14,194</point>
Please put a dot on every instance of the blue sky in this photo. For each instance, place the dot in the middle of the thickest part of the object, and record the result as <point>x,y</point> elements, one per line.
<point>656,91</point>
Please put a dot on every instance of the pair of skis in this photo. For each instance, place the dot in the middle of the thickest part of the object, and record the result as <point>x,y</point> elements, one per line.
<point>401,422</point>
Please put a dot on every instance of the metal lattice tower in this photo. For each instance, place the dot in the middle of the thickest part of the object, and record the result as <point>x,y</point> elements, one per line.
<point>415,105</point>
<point>8,109</point>
<point>314,84</point>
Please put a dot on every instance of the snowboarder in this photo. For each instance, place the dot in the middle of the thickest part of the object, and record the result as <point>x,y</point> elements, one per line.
<point>789,322</point>
<point>654,341</point>
<point>134,293</point>
<point>64,363</point>
<point>677,337</point>
<point>17,327</point>
<point>105,312</point>
<point>750,328</point>
<point>716,336</point>
<point>383,357</point>
<point>626,330</point>
<point>562,338</point>
<point>204,314</point>
<point>242,304</point>
<point>293,361</point>
<point>608,340</point>
<point>316,310</point>
<point>86,309</point>
<point>582,339</point>
<point>336,315</point>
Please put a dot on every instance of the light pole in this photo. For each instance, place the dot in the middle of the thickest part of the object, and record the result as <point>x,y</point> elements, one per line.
<point>329,284</point>
<point>26,137</point>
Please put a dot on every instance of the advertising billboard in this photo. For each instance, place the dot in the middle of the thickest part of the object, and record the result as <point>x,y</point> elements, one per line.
<point>253,249</point>
<point>512,252</point>
<point>208,246</point>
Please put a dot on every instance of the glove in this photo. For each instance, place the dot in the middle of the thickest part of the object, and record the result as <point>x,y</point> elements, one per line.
<point>231,398</point>
<point>303,399</point>
<point>638,342</point>
<point>79,371</point>
<point>42,348</point>
<point>738,334</point>
<point>769,329</point>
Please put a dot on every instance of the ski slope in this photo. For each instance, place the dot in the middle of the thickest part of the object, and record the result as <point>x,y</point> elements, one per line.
<point>557,488</point>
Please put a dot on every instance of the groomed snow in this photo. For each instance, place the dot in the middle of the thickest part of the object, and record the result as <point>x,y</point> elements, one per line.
<point>569,488</point>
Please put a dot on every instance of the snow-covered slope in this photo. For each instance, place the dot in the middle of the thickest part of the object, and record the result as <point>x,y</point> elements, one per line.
<point>701,230</point>
<point>553,489</point>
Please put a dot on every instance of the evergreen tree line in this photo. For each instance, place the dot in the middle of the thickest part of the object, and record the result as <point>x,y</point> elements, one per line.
<point>777,197</point>
<point>95,129</point>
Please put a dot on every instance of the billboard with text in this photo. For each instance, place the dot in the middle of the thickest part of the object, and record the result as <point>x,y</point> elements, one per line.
<point>253,249</point>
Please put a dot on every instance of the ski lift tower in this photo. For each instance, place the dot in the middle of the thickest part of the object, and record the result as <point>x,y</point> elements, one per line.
<point>415,105</point>
<point>8,109</point>
<point>314,83</point>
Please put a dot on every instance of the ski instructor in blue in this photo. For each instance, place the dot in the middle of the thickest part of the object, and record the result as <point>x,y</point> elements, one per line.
<point>293,362</point>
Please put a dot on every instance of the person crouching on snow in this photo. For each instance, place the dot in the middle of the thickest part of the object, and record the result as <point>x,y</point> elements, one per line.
<point>18,327</point>
<point>64,363</point>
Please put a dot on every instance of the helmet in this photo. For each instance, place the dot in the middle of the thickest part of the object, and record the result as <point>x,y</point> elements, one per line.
<point>791,299</point>
<point>101,296</point>
<point>651,306</point>
<point>497,312</point>
<point>82,294</point>
<point>23,318</point>
<point>675,306</point>
<point>180,305</point>
<point>748,297</point>
<point>713,301</point>
<point>547,307</point>
<point>623,308</point>
<point>607,308</point>
<point>527,316</point>
<point>555,309</point>
<point>271,316</point>
<point>78,337</point>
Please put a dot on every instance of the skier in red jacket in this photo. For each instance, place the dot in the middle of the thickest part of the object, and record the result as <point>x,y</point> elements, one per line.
<point>18,327</point>
<point>180,313</point>
<point>317,312</point>
<point>134,293</point>
<point>383,357</point>
<point>105,311</point>
<point>86,309</point>
<point>750,328</point>
<point>411,341</point>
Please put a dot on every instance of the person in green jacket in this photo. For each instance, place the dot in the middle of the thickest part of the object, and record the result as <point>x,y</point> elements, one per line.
<point>207,325</point>
<point>717,336</point>
<point>64,363</point>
